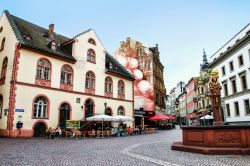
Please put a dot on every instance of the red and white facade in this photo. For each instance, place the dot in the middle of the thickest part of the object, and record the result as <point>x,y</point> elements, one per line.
<point>191,94</point>
<point>35,86</point>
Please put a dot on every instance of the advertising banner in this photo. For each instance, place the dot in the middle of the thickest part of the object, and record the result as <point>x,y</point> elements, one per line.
<point>138,61</point>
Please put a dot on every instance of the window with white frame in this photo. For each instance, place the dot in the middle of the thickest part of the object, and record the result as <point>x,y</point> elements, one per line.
<point>43,70</point>
<point>90,80</point>
<point>121,111</point>
<point>40,107</point>
<point>108,85</point>
<point>121,88</point>
<point>66,75</point>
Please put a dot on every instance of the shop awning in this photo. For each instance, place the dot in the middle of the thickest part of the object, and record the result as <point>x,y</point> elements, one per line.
<point>159,117</point>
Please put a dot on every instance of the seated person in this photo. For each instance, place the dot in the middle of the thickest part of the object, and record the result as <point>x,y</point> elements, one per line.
<point>58,132</point>
<point>130,130</point>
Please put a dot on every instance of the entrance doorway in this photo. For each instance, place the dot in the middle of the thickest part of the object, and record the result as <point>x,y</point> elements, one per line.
<point>1,106</point>
<point>40,130</point>
<point>89,108</point>
<point>64,115</point>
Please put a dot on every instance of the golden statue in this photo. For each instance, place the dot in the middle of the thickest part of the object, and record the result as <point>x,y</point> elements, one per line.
<point>215,88</point>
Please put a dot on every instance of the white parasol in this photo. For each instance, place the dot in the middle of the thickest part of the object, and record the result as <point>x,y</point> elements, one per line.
<point>123,118</point>
<point>102,118</point>
<point>207,117</point>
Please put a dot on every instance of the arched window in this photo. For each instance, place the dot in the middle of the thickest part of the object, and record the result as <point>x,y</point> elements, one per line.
<point>67,75</point>
<point>121,111</point>
<point>4,70</point>
<point>91,56</point>
<point>43,69</point>
<point>91,41</point>
<point>2,44</point>
<point>108,87</point>
<point>1,29</point>
<point>90,80</point>
<point>40,107</point>
<point>121,88</point>
<point>108,111</point>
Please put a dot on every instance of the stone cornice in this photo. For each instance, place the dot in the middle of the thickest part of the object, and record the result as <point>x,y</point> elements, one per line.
<point>230,50</point>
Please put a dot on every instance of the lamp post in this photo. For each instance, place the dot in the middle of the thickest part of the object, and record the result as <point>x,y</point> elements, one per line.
<point>105,106</point>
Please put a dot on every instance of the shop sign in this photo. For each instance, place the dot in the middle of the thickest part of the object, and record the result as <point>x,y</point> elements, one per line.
<point>19,110</point>
<point>73,124</point>
<point>144,113</point>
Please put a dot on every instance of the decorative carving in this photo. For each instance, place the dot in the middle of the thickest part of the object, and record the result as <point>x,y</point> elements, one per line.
<point>227,137</point>
<point>108,94</point>
<point>90,91</point>
<point>121,96</point>
<point>66,87</point>
<point>42,82</point>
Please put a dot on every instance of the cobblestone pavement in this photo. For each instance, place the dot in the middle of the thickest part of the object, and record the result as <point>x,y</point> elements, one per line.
<point>142,150</point>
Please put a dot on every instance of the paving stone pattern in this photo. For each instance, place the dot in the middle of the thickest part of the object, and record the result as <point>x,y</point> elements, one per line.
<point>143,150</point>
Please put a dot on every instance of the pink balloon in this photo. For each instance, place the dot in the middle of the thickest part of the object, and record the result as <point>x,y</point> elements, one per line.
<point>145,88</point>
<point>138,74</point>
<point>132,63</point>
<point>122,60</point>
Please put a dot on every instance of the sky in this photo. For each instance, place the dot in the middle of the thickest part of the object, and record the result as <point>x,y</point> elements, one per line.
<point>181,28</point>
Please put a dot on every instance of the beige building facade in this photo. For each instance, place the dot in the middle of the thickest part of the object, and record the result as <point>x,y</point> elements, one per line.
<point>50,78</point>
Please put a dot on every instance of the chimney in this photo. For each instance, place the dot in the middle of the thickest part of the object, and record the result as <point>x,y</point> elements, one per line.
<point>51,29</point>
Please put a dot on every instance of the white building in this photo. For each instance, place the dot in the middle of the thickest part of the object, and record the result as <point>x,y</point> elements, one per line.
<point>180,88</point>
<point>183,107</point>
<point>232,61</point>
<point>172,100</point>
<point>47,78</point>
<point>168,105</point>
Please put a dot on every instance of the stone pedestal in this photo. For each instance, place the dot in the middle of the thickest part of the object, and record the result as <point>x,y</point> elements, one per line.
<point>215,140</point>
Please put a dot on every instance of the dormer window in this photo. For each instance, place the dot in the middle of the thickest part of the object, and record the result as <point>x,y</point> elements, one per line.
<point>91,41</point>
<point>110,65</point>
<point>27,37</point>
<point>45,35</point>
<point>53,45</point>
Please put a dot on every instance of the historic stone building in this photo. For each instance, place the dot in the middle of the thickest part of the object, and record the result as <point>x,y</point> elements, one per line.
<point>144,63</point>
<point>47,78</point>
<point>202,91</point>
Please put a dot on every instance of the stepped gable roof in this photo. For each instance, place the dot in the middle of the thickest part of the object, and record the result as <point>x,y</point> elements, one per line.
<point>117,68</point>
<point>38,40</point>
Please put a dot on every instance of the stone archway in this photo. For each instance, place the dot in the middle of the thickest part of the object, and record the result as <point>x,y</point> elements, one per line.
<point>40,129</point>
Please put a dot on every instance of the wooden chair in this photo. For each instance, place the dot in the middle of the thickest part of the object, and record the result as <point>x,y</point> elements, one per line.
<point>108,133</point>
<point>99,133</point>
<point>92,134</point>
<point>68,133</point>
<point>83,133</point>
<point>77,134</point>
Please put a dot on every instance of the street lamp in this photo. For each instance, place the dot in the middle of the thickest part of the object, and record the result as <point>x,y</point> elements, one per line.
<point>105,106</point>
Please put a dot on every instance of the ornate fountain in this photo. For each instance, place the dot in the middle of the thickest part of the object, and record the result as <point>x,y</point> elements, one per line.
<point>217,138</point>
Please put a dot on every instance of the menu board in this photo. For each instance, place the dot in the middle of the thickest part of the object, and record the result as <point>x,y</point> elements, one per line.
<point>73,124</point>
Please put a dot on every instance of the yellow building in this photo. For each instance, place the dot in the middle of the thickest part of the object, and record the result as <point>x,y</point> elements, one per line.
<point>47,78</point>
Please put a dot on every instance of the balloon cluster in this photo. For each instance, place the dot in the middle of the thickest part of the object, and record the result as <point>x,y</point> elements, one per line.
<point>143,89</point>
